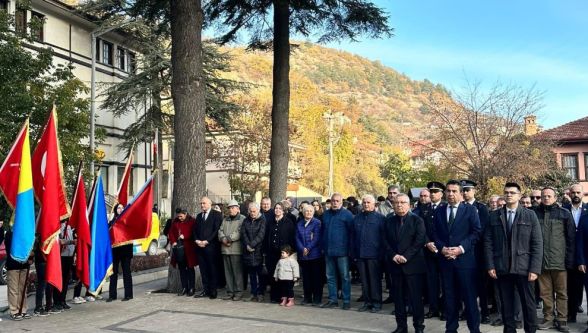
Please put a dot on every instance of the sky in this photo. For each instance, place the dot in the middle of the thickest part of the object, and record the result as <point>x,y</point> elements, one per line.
<point>541,43</point>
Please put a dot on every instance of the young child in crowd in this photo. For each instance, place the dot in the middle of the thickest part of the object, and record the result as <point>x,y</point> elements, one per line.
<point>286,273</point>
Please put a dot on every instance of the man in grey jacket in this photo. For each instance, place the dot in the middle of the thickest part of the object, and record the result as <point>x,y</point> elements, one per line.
<point>513,251</point>
<point>229,235</point>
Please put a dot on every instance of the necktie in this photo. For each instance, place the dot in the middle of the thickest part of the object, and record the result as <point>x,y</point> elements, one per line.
<point>451,216</point>
<point>510,220</point>
<point>204,216</point>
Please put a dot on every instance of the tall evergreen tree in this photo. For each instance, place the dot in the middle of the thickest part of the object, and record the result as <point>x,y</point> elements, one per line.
<point>329,20</point>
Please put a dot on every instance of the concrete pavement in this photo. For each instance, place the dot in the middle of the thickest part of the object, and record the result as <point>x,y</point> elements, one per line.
<point>153,312</point>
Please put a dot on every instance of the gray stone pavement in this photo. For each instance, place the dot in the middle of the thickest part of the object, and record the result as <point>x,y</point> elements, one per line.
<point>153,312</point>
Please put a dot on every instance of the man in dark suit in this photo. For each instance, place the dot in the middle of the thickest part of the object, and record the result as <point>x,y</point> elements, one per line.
<point>404,239</point>
<point>582,249</point>
<point>575,277</point>
<point>207,246</point>
<point>457,229</point>
<point>484,284</point>
<point>427,213</point>
<point>513,251</point>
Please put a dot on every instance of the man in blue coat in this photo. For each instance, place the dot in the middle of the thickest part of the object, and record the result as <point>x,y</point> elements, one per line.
<point>337,229</point>
<point>368,227</point>
<point>457,230</point>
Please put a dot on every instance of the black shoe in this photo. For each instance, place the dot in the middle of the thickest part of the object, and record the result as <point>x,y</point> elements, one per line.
<point>361,299</point>
<point>419,330</point>
<point>388,300</point>
<point>376,309</point>
<point>442,317</point>
<point>329,305</point>
<point>496,322</point>
<point>364,308</point>
<point>345,306</point>
<point>431,314</point>
<point>485,320</point>
<point>580,309</point>
<point>202,294</point>
<point>572,320</point>
<point>190,293</point>
<point>400,330</point>
<point>40,312</point>
<point>519,325</point>
<point>183,292</point>
<point>212,296</point>
<point>126,299</point>
<point>110,299</point>
<point>65,306</point>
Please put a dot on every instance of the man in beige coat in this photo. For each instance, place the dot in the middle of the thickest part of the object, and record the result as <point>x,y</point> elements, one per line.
<point>229,235</point>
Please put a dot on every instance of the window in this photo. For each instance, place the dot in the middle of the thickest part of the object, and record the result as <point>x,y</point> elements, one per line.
<point>569,162</point>
<point>585,166</point>
<point>120,55</point>
<point>97,49</point>
<point>164,183</point>
<point>37,22</point>
<point>105,180</point>
<point>3,4</point>
<point>20,21</point>
<point>132,63</point>
<point>107,53</point>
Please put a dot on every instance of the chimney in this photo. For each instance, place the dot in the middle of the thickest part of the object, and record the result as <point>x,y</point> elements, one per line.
<point>531,125</point>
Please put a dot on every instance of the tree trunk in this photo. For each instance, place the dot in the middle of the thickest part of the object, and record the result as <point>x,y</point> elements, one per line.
<point>279,153</point>
<point>188,96</point>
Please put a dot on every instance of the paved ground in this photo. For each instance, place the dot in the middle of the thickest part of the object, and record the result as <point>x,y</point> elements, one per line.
<point>157,312</point>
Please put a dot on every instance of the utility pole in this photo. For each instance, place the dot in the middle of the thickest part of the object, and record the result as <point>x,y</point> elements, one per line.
<point>333,138</point>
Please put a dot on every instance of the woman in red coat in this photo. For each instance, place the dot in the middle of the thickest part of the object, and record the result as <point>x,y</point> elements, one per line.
<point>181,232</point>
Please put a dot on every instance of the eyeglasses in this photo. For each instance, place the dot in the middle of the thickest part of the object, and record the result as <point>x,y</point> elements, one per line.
<point>533,197</point>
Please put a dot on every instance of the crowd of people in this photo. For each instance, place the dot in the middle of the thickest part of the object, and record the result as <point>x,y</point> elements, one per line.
<point>460,257</point>
<point>449,253</point>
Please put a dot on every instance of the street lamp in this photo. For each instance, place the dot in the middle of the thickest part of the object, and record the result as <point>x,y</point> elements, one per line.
<point>94,35</point>
<point>333,138</point>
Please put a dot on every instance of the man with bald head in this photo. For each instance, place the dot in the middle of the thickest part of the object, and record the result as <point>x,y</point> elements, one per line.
<point>368,227</point>
<point>208,246</point>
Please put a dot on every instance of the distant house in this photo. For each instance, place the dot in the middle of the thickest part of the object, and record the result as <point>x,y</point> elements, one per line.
<point>572,147</point>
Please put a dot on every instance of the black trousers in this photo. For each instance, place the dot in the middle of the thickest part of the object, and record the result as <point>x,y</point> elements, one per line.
<point>484,287</point>
<point>124,260</point>
<point>187,276</point>
<point>66,268</point>
<point>506,287</point>
<point>271,261</point>
<point>286,288</point>
<point>312,281</point>
<point>207,259</point>
<point>433,282</point>
<point>575,287</point>
<point>371,281</point>
<point>413,283</point>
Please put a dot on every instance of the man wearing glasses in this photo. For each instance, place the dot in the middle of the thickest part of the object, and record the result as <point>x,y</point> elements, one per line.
<point>404,239</point>
<point>386,207</point>
<point>513,249</point>
<point>559,235</point>
<point>536,198</point>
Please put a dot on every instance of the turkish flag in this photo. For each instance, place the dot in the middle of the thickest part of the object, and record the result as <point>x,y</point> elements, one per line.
<point>50,193</point>
<point>135,221</point>
<point>79,222</point>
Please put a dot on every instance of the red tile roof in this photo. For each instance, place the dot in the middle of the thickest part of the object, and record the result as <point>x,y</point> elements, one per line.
<point>576,130</point>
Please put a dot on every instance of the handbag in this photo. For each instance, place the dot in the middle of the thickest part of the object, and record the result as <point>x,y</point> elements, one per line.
<point>178,251</point>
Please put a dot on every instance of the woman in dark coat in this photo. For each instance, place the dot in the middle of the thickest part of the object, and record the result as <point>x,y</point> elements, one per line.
<point>121,255</point>
<point>280,231</point>
<point>252,235</point>
<point>310,256</point>
<point>181,229</point>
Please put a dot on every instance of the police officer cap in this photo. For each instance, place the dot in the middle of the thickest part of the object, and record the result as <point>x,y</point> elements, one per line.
<point>467,183</point>
<point>436,186</point>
